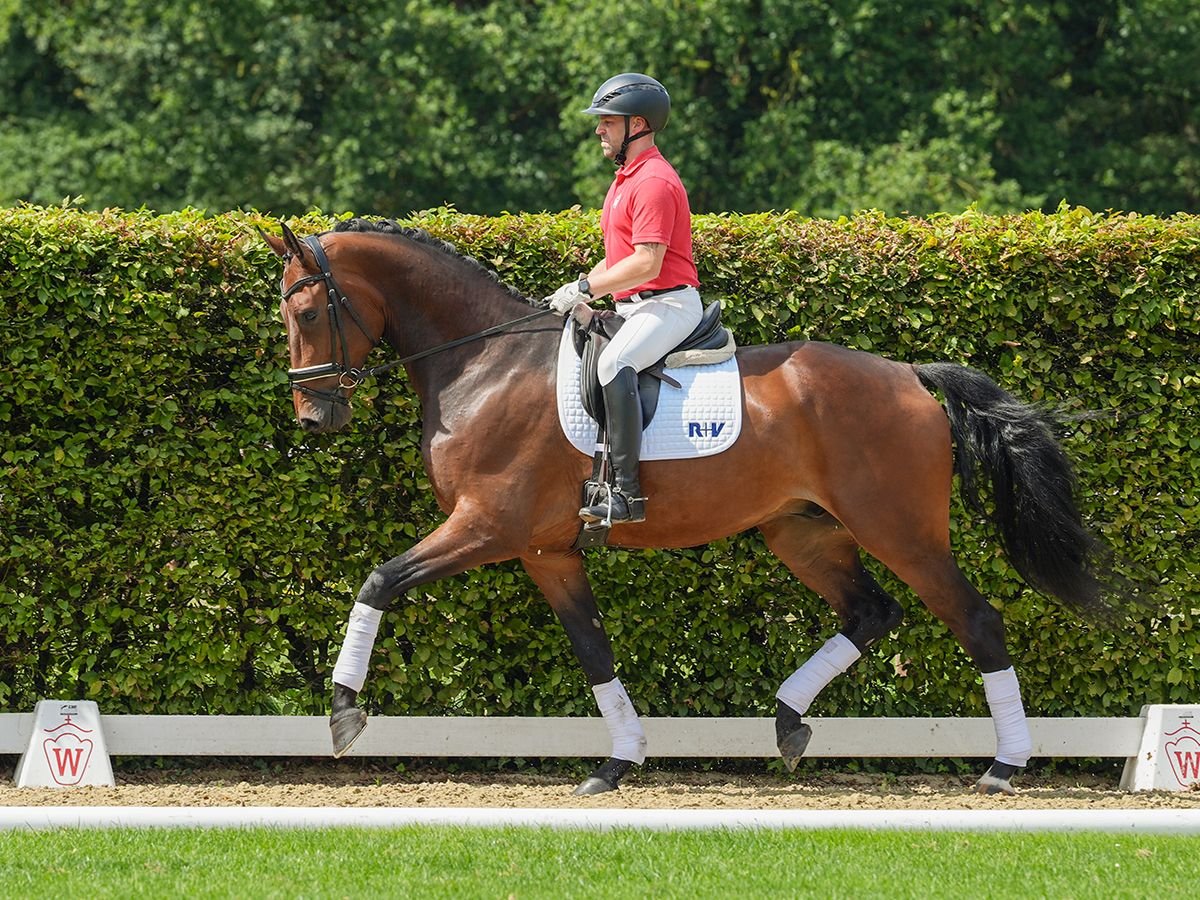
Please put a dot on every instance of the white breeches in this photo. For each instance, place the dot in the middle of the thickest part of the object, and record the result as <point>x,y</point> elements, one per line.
<point>653,328</point>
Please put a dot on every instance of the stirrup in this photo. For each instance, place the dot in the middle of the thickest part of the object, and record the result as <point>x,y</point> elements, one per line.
<point>600,513</point>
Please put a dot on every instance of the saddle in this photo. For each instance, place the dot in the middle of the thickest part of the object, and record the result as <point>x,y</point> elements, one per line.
<point>710,342</point>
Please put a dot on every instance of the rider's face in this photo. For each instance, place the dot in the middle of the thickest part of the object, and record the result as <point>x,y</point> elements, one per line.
<point>611,130</point>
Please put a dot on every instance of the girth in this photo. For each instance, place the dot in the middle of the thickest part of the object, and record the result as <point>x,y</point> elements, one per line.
<point>594,328</point>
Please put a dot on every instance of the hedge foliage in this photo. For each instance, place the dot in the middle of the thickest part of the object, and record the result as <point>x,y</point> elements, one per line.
<point>172,543</point>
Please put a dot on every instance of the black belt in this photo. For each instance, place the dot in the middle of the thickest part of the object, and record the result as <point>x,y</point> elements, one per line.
<point>642,295</point>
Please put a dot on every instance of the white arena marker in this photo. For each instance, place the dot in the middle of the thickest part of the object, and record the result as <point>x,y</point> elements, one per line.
<point>1169,756</point>
<point>66,747</point>
<point>1121,821</point>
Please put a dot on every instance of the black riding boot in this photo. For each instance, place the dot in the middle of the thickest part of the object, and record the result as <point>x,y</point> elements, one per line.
<point>623,409</point>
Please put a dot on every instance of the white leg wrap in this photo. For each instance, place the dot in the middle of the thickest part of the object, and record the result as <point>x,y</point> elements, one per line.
<point>1014,746</point>
<point>351,667</point>
<point>802,687</point>
<point>628,738</point>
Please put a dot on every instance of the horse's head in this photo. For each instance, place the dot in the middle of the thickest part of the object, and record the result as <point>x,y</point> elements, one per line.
<point>329,335</point>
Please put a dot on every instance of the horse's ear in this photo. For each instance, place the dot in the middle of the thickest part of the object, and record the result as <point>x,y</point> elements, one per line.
<point>291,242</point>
<point>277,246</point>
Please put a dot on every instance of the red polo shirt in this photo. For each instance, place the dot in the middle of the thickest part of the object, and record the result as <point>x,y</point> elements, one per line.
<point>647,204</point>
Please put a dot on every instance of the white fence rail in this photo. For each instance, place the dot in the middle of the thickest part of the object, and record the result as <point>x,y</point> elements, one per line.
<point>418,736</point>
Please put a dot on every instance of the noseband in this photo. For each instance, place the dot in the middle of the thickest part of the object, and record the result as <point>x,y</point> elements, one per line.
<point>349,377</point>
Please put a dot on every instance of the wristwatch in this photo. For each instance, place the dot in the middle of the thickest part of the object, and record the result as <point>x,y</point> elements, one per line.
<point>585,288</point>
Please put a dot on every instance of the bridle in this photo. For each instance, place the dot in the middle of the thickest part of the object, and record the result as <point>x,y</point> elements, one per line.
<point>348,376</point>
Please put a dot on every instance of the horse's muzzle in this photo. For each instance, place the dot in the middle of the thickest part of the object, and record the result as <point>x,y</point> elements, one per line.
<point>320,416</point>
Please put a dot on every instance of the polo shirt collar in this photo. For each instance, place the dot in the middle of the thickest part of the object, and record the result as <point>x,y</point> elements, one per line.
<point>631,166</point>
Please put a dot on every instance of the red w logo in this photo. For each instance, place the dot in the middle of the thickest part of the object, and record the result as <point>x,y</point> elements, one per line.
<point>68,756</point>
<point>1183,753</point>
<point>1187,764</point>
<point>67,759</point>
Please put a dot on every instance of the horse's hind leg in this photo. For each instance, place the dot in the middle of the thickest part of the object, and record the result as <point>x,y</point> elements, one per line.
<point>911,537</point>
<point>564,583</point>
<point>979,627</point>
<point>822,554</point>
<point>892,492</point>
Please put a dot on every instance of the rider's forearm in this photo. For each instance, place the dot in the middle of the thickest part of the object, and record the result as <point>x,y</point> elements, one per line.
<point>639,267</point>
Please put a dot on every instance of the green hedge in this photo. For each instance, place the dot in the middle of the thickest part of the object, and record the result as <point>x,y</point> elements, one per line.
<point>172,543</point>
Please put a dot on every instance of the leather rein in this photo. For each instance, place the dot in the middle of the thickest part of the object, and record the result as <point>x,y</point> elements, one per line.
<point>348,376</point>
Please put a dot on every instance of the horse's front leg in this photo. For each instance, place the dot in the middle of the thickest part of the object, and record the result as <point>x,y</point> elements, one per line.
<point>458,545</point>
<point>564,583</point>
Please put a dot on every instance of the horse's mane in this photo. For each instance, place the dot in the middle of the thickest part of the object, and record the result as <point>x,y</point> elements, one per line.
<point>419,236</point>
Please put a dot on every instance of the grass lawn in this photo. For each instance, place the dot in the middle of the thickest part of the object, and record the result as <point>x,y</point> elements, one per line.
<point>415,862</point>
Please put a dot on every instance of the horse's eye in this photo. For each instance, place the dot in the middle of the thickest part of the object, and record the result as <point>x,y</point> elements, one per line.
<point>309,315</point>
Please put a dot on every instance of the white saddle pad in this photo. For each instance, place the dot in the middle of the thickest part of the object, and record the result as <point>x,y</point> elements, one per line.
<point>701,417</point>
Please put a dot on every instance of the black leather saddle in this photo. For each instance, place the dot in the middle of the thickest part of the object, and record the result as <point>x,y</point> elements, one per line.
<point>594,328</point>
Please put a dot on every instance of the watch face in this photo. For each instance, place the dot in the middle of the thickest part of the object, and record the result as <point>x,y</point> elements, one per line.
<point>585,287</point>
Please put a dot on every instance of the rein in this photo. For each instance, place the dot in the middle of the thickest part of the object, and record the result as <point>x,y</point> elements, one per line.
<point>348,376</point>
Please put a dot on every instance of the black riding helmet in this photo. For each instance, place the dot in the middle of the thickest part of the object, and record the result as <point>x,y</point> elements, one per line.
<point>632,94</point>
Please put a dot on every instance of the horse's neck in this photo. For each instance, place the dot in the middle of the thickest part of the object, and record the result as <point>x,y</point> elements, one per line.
<point>448,312</point>
<point>456,309</point>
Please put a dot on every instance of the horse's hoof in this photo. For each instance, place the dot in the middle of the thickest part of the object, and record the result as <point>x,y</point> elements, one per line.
<point>792,746</point>
<point>346,725</point>
<point>996,779</point>
<point>791,735</point>
<point>604,779</point>
<point>990,784</point>
<point>594,785</point>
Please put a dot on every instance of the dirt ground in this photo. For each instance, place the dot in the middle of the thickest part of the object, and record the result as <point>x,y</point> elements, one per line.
<point>352,783</point>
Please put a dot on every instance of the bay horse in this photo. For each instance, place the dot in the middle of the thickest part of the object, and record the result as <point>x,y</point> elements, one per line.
<point>840,451</point>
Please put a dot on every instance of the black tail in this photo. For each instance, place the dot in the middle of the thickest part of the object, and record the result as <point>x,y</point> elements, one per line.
<point>1031,485</point>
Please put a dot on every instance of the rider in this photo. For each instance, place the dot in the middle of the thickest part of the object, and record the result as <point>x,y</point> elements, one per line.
<point>647,267</point>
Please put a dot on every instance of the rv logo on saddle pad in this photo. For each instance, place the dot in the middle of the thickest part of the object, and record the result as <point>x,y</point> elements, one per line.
<point>705,429</point>
<point>701,417</point>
